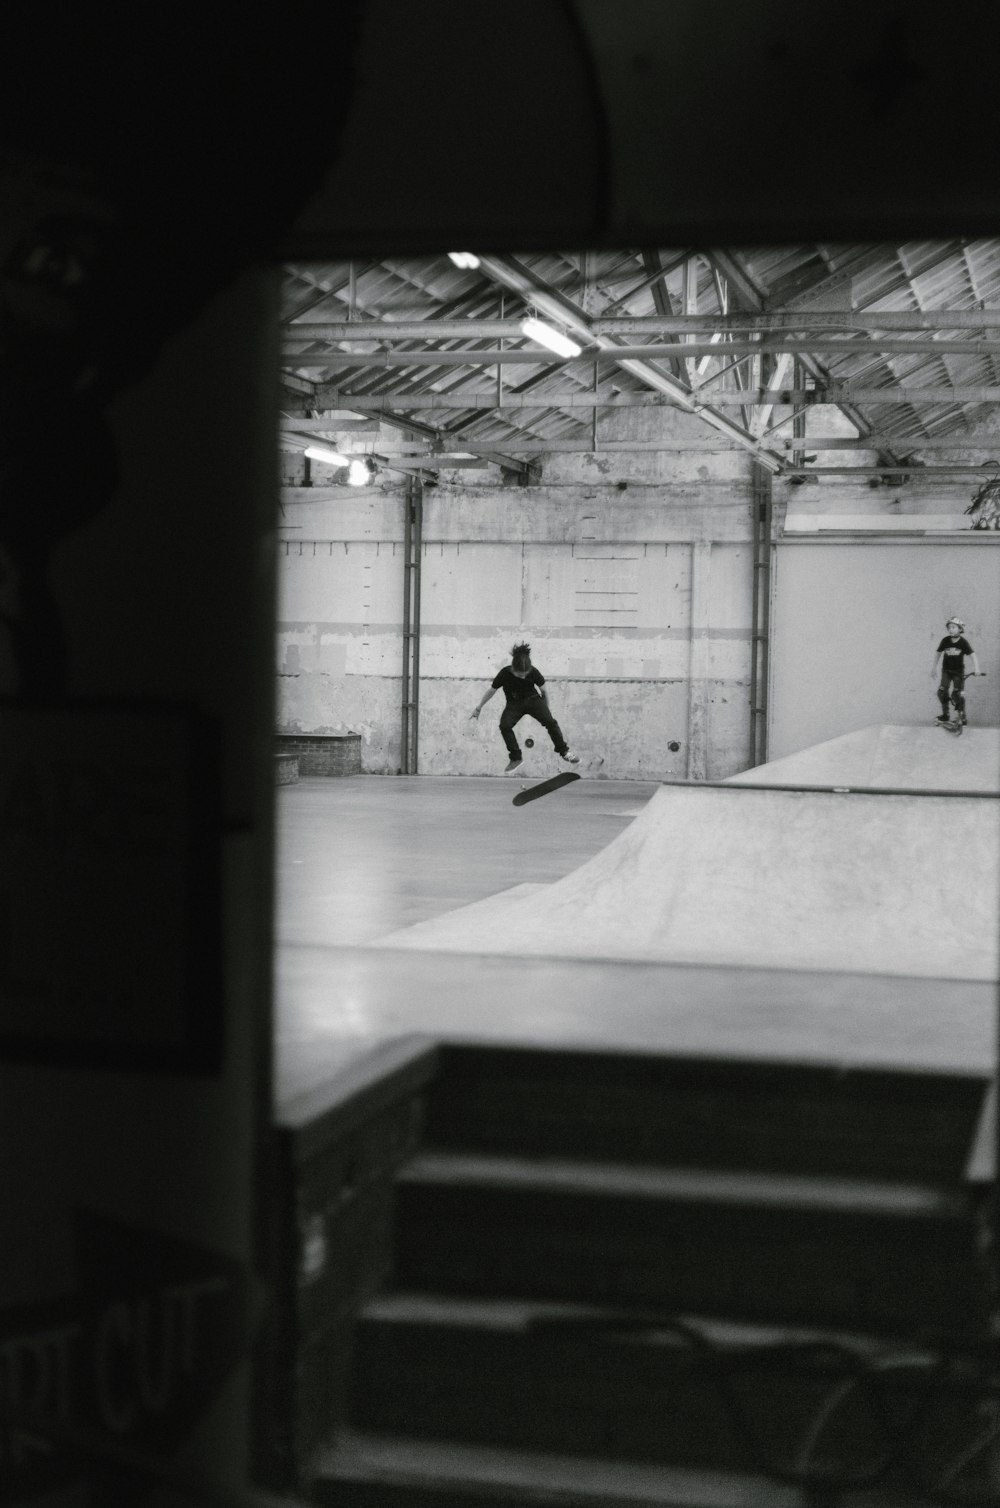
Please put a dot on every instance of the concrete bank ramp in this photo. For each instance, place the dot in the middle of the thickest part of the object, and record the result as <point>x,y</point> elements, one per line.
<point>891,756</point>
<point>736,875</point>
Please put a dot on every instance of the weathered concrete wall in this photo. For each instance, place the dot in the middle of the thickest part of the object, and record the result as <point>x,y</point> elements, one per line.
<point>629,573</point>
<point>340,644</point>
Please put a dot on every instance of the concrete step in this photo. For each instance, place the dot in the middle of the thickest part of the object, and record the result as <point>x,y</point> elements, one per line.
<point>880,1257</point>
<point>636,1107</point>
<point>396,1471</point>
<point>696,1393</point>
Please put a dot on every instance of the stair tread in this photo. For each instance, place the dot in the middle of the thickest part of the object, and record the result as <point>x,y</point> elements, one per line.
<point>606,1179</point>
<point>397,1459</point>
<point>508,1315</point>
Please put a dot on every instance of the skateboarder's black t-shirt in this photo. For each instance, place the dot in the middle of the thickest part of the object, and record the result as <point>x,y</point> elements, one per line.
<point>954,651</point>
<point>518,688</point>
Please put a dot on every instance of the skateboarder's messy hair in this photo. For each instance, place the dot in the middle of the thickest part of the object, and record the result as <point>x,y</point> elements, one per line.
<point>521,656</point>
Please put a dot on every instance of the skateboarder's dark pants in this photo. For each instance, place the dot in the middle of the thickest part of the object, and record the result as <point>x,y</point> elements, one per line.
<point>956,680</point>
<point>536,707</point>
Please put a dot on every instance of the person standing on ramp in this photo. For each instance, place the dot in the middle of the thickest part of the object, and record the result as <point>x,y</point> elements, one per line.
<point>523,687</point>
<point>949,663</point>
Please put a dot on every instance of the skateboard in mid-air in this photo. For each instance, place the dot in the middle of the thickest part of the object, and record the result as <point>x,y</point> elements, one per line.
<point>532,792</point>
<point>554,782</point>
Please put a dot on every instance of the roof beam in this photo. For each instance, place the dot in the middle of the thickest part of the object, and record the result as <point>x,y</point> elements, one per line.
<point>328,396</point>
<point>837,280</point>
<point>755,296</point>
<point>930,473</point>
<point>657,271</point>
<point>320,293</point>
<point>356,427</point>
<point>455,307</point>
<point>444,442</point>
<point>976,293</point>
<point>737,276</point>
<point>662,301</point>
<point>385,408</point>
<point>771,321</point>
<point>542,447</point>
<point>511,274</point>
<point>836,394</point>
<point>778,376</point>
<point>651,350</point>
<point>904,444</point>
<point>840,393</point>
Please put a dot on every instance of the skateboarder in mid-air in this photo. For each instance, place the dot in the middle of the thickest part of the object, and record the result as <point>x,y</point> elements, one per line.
<point>949,664</point>
<point>522,685</point>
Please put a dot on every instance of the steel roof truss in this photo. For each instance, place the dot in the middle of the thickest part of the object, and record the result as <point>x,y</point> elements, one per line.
<point>512,274</point>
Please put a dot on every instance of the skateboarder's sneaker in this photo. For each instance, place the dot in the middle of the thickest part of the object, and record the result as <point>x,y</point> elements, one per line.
<point>944,718</point>
<point>569,757</point>
<point>514,764</point>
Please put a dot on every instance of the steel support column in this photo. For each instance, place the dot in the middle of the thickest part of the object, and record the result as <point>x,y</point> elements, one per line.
<point>760,613</point>
<point>412,554</point>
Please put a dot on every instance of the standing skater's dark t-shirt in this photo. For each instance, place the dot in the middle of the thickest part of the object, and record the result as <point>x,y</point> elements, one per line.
<point>518,688</point>
<point>954,651</point>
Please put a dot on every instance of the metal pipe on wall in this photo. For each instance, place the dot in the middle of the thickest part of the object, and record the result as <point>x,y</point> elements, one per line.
<point>417,541</point>
<point>765,602</point>
<point>760,612</point>
<point>754,601</point>
<point>404,723</point>
<point>412,551</point>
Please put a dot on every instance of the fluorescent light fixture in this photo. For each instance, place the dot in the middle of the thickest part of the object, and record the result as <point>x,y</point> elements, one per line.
<point>359,473</point>
<point>324,453</point>
<point>535,329</point>
<point>467,260</point>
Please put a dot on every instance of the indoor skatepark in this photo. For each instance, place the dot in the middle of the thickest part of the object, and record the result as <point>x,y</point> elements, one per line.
<point>711,1030</point>
<point>720,1013</point>
<point>759,882</point>
<point>300,1211</point>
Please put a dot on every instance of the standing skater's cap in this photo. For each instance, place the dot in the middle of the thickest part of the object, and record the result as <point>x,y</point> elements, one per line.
<point>958,624</point>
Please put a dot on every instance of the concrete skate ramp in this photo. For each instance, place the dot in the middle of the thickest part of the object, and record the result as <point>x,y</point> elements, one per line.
<point>735,875</point>
<point>893,757</point>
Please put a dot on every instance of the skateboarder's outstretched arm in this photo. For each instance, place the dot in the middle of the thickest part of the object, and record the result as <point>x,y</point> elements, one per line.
<point>474,715</point>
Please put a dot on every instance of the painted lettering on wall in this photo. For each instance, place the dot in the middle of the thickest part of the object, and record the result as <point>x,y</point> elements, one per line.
<point>136,1355</point>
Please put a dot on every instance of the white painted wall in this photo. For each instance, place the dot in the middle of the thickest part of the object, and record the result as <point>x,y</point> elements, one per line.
<point>855,627</point>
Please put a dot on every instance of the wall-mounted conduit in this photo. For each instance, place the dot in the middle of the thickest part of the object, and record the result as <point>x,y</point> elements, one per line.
<point>412,553</point>
<point>760,627</point>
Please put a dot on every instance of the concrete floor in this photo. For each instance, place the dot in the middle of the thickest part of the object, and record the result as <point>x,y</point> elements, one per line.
<point>361,857</point>
<point>364,857</point>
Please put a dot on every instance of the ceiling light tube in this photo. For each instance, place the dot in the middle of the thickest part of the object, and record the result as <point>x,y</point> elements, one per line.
<point>359,473</point>
<point>536,329</point>
<point>324,453</point>
<point>467,260</point>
